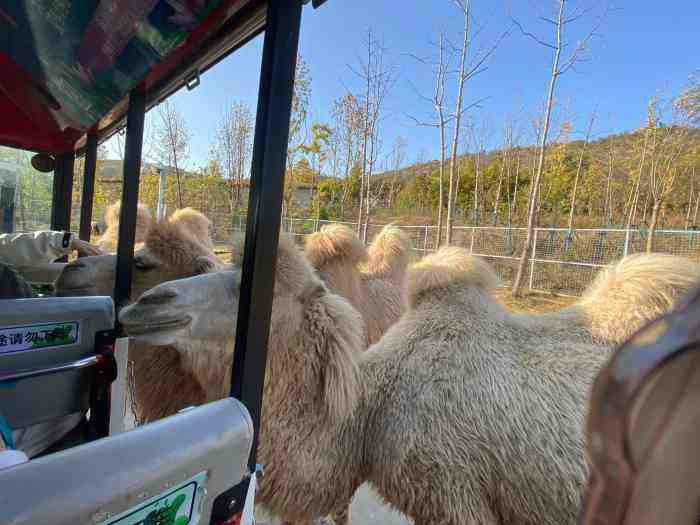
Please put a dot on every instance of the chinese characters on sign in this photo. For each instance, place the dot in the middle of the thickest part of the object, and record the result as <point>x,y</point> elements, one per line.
<point>19,338</point>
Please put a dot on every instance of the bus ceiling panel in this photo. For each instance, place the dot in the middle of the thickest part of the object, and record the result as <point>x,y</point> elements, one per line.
<point>244,23</point>
<point>64,66</point>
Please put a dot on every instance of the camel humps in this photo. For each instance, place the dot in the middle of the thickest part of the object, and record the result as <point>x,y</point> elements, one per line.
<point>371,279</point>
<point>461,413</point>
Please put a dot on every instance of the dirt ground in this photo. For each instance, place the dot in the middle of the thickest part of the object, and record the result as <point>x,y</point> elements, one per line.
<point>533,303</point>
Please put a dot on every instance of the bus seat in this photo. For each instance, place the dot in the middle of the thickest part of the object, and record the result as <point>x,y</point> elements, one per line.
<point>161,472</point>
<point>50,352</point>
<point>643,427</point>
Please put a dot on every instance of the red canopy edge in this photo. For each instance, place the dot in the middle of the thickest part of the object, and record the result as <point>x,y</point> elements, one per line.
<point>27,122</point>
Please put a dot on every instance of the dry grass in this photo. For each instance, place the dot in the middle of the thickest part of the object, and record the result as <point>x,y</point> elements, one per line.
<point>533,303</point>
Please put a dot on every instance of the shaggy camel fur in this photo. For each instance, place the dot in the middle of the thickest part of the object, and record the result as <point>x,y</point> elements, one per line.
<point>174,248</point>
<point>197,224</point>
<point>629,294</point>
<point>376,291</point>
<point>108,240</point>
<point>462,413</point>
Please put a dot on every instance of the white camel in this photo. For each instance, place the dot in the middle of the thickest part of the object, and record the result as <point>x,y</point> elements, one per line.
<point>177,247</point>
<point>371,279</point>
<point>462,413</point>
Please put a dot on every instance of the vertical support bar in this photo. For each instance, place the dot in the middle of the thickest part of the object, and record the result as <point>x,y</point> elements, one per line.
<point>532,259</point>
<point>7,205</point>
<point>88,187</point>
<point>62,192</point>
<point>130,196</point>
<point>160,209</point>
<point>265,206</point>
<point>471,244</point>
<point>425,239</point>
<point>626,249</point>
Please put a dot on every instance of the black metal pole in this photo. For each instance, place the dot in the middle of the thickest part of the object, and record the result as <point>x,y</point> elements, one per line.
<point>265,206</point>
<point>62,192</point>
<point>130,196</point>
<point>88,187</point>
<point>7,205</point>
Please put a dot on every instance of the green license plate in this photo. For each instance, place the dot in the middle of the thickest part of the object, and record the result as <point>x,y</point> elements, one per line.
<point>177,506</point>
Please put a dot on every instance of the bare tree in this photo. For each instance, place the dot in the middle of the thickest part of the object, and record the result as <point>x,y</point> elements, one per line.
<point>632,213</point>
<point>559,67</point>
<point>691,194</point>
<point>507,155</point>
<point>297,127</point>
<point>579,167</point>
<point>348,130</point>
<point>172,141</point>
<point>667,144</point>
<point>688,102</point>
<point>479,138</point>
<point>465,72</point>
<point>378,77</point>
<point>233,149</point>
<point>609,182</point>
<point>398,154</point>
<point>439,66</point>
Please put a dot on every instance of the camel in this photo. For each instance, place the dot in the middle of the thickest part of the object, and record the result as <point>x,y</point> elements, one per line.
<point>177,247</point>
<point>107,242</point>
<point>377,290</point>
<point>197,224</point>
<point>461,413</point>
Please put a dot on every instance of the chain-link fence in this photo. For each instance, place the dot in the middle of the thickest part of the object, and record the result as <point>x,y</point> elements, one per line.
<point>563,261</point>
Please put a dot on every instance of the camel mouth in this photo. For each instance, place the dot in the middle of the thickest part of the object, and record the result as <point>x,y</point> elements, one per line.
<point>155,327</point>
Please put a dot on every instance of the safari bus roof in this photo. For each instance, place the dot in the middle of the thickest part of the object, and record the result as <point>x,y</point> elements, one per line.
<point>74,73</point>
<point>67,68</point>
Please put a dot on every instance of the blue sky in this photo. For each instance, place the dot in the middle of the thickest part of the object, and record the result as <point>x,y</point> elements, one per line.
<point>645,48</point>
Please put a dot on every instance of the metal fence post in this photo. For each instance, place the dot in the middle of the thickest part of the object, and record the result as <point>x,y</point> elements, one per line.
<point>532,259</point>
<point>425,239</point>
<point>471,243</point>
<point>626,248</point>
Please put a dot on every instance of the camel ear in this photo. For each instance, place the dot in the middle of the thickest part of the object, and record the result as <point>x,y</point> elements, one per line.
<point>334,331</point>
<point>204,264</point>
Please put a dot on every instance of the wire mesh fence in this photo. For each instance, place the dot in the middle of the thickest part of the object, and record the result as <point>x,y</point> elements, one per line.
<point>563,261</point>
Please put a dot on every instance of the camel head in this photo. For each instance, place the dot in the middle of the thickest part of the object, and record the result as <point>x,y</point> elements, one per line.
<point>107,242</point>
<point>200,307</point>
<point>206,306</point>
<point>171,250</point>
<point>310,327</point>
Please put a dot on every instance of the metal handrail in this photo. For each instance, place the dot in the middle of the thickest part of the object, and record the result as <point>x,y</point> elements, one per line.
<point>36,372</point>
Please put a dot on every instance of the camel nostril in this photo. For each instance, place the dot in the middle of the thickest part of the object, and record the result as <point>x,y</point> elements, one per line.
<point>160,297</point>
